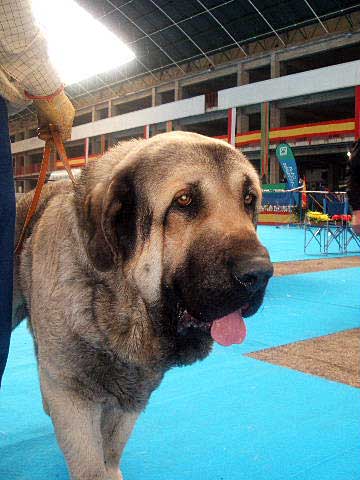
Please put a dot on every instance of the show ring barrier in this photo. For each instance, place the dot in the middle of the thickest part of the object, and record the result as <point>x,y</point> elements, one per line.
<point>323,216</point>
<point>330,234</point>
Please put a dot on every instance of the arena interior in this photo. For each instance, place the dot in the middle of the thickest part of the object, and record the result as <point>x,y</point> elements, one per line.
<point>259,75</point>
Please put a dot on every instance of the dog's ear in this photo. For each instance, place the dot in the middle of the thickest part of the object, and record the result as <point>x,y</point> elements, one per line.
<point>110,211</point>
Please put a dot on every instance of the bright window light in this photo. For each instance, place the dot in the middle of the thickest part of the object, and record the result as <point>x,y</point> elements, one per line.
<point>79,46</point>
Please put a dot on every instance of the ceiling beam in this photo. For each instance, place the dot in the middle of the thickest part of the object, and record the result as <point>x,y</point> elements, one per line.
<point>267,22</point>
<point>197,65</point>
<point>186,19</point>
<point>183,32</point>
<point>147,36</point>
<point>223,28</point>
<point>316,16</point>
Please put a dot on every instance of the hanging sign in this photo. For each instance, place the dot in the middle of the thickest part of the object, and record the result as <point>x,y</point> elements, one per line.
<point>288,165</point>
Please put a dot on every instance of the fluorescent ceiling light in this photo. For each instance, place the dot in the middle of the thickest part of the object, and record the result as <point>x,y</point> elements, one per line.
<point>79,46</point>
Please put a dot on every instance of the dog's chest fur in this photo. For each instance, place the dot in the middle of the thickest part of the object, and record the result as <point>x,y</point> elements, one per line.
<point>100,375</point>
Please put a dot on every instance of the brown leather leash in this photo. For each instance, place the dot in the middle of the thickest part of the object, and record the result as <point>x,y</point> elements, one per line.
<point>53,140</point>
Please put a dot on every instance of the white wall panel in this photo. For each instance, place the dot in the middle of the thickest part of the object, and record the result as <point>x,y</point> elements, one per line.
<point>26,145</point>
<point>147,116</point>
<point>304,83</point>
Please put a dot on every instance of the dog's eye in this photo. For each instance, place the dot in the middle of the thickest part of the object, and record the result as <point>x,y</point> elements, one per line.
<point>183,199</point>
<point>249,198</point>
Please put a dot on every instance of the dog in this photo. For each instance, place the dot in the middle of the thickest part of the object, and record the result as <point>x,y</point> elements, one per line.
<point>136,269</point>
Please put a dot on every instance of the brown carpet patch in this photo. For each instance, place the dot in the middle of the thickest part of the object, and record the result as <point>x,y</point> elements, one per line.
<point>318,265</point>
<point>335,357</point>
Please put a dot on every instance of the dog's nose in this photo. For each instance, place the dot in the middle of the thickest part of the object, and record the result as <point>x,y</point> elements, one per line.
<point>253,274</point>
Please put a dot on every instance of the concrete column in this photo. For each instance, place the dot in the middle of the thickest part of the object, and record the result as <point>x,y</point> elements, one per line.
<point>277,116</point>
<point>102,143</point>
<point>27,186</point>
<point>242,75</point>
<point>177,91</point>
<point>155,97</point>
<point>274,116</point>
<point>109,108</point>
<point>274,168</point>
<point>93,114</point>
<point>274,66</point>
<point>232,126</point>
<point>275,122</point>
<point>27,163</point>
<point>52,162</point>
<point>16,164</point>
<point>176,125</point>
<point>277,69</point>
<point>242,121</point>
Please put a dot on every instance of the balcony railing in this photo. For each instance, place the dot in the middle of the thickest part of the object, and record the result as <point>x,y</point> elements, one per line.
<point>337,129</point>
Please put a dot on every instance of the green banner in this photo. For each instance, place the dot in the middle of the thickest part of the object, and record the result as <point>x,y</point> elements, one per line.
<point>288,165</point>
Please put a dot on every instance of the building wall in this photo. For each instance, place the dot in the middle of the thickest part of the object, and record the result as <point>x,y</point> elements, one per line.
<point>320,101</point>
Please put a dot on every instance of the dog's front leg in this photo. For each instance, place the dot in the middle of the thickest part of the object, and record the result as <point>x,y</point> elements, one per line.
<point>116,427</point>
<point>77,425</point>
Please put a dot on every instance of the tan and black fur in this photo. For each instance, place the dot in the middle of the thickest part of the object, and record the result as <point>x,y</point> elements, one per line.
<point>109,268</point>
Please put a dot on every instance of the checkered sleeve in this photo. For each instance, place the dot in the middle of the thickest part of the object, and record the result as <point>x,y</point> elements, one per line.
<point>23,52</point>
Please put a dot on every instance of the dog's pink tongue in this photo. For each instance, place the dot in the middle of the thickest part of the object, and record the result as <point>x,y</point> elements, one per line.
<point>229,330</point>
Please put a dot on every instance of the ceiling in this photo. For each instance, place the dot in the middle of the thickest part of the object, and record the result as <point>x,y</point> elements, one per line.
<point>165,33</point>
<point>172,33</point>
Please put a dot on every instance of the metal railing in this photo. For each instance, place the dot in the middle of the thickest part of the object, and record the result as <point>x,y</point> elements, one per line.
<point>305,202</point>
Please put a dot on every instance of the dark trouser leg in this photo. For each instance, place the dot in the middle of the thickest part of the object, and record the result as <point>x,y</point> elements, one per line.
<point>7,225</point>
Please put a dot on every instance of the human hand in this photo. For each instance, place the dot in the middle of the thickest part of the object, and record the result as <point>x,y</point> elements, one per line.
<point>56,110</point>
<point>356,221</point>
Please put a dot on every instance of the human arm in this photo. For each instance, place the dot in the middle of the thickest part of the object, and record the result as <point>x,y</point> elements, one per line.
<point>25,61</point>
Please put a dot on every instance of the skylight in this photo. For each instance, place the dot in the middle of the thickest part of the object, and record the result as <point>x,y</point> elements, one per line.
<point>79,46</point>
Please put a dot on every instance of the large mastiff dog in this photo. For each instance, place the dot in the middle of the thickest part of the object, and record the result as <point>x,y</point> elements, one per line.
<point>137,269</point>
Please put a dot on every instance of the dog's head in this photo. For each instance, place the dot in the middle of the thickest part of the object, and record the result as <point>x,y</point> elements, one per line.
<point>177,214</point>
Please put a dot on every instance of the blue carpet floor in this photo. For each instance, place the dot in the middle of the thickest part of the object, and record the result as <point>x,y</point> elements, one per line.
<point>229,417</point>
<point>287,244</point>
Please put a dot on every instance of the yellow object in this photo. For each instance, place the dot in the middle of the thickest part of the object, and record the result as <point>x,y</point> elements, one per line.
<point>317,216</point>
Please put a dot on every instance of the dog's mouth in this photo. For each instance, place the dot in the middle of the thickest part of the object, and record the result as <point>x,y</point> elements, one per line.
<point>227,330</point>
